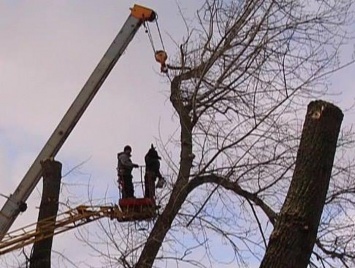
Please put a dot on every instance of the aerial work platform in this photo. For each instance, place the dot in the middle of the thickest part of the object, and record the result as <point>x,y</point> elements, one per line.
<point>128,210</point>
<point>137,209</point>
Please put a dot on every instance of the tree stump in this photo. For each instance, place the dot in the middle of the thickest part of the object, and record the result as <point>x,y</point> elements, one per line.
<point>292,240</point>
<point>41,254</point>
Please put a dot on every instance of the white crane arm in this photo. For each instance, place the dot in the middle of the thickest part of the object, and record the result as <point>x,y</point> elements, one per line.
<point>16,202</point>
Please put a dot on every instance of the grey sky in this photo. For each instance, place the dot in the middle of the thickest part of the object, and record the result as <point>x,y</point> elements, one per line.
<point>48,49</point>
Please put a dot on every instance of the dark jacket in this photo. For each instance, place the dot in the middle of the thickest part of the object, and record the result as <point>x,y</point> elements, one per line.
<point>152,161</point>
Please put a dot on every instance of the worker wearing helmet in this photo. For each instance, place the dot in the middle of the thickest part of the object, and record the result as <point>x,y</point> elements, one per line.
<point>124,172</point>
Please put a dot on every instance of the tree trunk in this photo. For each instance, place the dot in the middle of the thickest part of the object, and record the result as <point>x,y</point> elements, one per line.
<point>292,240</point>
<point>180,189</point>
<point>163,223</point>
<point>41,254</point>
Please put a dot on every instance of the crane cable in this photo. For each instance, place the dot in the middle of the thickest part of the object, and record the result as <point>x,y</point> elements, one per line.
<point>160,55</point>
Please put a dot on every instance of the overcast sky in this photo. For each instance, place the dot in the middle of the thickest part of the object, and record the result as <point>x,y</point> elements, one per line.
<point>48,49</point>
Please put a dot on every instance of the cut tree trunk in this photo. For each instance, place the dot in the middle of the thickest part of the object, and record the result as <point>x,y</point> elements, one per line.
<point>292,240</point>
<point>41,254</point>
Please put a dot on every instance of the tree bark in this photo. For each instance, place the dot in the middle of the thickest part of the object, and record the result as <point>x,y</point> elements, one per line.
<point>180,189</point>
<point>41,254</point>
<point>292,240</point>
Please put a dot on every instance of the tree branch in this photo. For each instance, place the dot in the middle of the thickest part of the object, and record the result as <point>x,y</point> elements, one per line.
<point>233,186</point>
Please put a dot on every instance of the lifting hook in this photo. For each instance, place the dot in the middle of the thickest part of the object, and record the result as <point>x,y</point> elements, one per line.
<point>161,57</point>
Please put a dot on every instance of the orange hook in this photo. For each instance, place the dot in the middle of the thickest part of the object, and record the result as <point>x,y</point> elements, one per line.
<point>161,57</point>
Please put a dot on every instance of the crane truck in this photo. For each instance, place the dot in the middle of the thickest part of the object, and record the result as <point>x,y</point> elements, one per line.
<point>16,202</point>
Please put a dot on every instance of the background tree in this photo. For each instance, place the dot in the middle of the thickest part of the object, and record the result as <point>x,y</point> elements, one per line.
<point>239,85</point>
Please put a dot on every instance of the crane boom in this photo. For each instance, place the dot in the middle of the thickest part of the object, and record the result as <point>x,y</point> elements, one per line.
<point>68,220</point>
<point>16,201</point>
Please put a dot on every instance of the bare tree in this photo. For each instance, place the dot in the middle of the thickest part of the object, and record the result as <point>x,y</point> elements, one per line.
<point>239,86</point>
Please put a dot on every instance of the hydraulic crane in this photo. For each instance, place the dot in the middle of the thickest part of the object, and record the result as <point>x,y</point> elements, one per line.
<point>71,219</point>
<point>16,202</point>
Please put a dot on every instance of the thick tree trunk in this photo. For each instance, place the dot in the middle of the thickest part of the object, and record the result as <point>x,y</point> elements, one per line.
<point>163,223</point>
<point>162,226</point>
<point>180,190</point>
<point>41,254</point>
<point>293,238</point>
